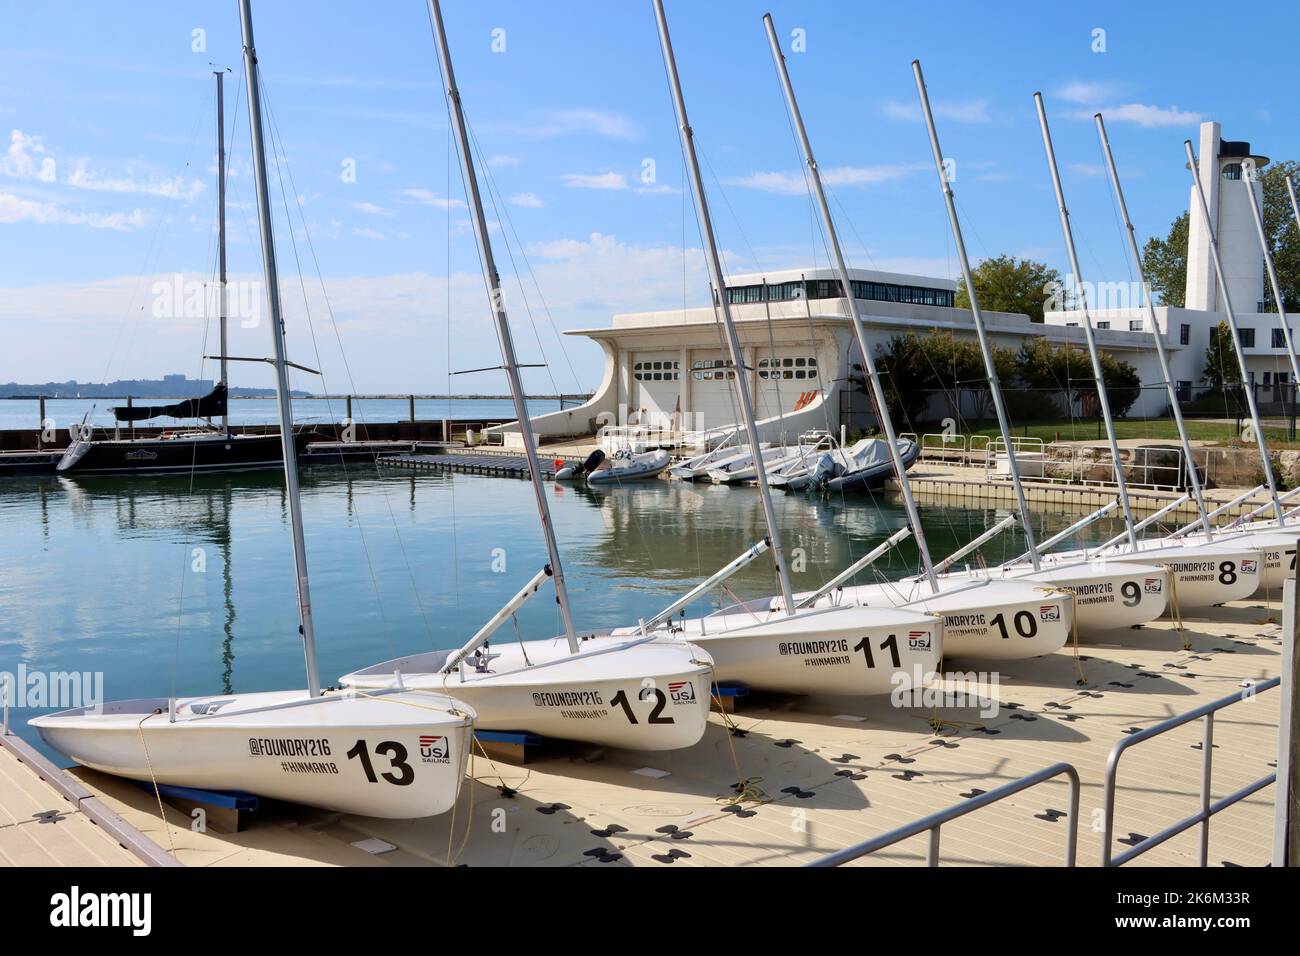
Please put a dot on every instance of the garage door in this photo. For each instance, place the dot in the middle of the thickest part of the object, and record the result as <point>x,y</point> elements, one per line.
<point>787,380</point>
<point>657,378</point>
<point>713,390</point>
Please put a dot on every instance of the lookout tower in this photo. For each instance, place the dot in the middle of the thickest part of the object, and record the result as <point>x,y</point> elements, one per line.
<point>1223,165</point>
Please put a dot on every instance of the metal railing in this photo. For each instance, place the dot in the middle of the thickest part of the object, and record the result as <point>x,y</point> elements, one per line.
<point>935,821</point>
<point>1208,809</point>
<point>948,447</point>
<point>1151,467</point>
<point>1031,455</point>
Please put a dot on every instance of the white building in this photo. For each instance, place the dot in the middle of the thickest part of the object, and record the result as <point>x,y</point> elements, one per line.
<point>672,368</point>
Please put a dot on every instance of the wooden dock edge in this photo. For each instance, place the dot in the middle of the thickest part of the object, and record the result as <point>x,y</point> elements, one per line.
<point>92,806</point>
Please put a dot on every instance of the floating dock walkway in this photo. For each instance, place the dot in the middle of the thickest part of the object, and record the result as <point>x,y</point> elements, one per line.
<point>492,464</point>
<point>49,818</point>
<point>825,773</point>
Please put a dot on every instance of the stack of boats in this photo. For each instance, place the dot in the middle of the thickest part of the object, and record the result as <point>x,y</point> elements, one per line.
<point>394,740</point>
<point>815,462</point>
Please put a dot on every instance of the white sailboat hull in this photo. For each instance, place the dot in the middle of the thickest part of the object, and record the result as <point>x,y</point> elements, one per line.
<point>840,651</point>
<point>1202,575</point>
<point>1107,595</point>
<point>396,755</point>
<point>634,694</point>
<point>699,465</point>
<point>1277,550</point>
<point>983,619</point>
<point>741,467</point>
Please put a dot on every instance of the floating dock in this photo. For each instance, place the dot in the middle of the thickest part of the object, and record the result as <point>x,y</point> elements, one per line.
<point>492,464</point>
<point>822,774</point>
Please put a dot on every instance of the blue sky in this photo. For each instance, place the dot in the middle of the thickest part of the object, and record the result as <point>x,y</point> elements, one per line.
<point>107,185</point>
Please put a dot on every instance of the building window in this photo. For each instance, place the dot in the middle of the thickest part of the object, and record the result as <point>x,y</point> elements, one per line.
<point>1248,338</point>
<point>1279,339</point>
<point>800,368</point>
<point>1135,325</point>
<point>1232,171</point>
<point>1184,391</point>
<point>1103,325</point>
<point>1184,334</point>
<point>713,370</point>
<point>656,371</point>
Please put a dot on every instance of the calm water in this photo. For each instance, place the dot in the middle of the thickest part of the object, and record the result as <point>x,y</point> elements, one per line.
<point>25,413</point>
<point>162,584</point>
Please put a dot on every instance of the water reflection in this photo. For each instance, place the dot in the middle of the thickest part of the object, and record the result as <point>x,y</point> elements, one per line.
<point>102,574</point>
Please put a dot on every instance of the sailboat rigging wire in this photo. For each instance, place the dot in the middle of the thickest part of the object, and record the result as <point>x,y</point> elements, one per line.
<point>499,207</point>
<point>153,252</point>
<point>455,539</point>
<point>277,146</point>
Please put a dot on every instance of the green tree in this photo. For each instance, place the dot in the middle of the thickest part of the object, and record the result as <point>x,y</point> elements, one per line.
<point>1165,264</point>
<point>1283,235</point>
<point>915,367</point>
<point>1067,370</point>
<point>1222,370</point>
<point>1008,284</point>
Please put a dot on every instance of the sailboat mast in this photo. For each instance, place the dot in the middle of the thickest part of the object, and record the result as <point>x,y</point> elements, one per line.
<point>985,348</point>
<point>221,236</point>
<point>1098,377</point>
<point>859,329</point>
<point>1248,182</point>
<point>1193,477</point>
<point>1236,334</point>
<point>720,290</point>
<point>510,363</point>
<point>282,398</point>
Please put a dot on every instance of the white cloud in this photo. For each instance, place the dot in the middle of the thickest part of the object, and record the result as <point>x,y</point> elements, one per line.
<point>427,197</point>
<point>527,200</point>
<point>1087,93</point>
<point>595,181</point>
<point>393,326</point>
<point>16,209</point>
<point>368,233</point>
<point>1151,117</point>
<point>793,184</point>
<point>83,177</point>
<point>371,209</point>
<point>1086,169</point>
<point>573,122</point>
<point>28,158</point>
<point>503,160</point>
<point>970,111</point>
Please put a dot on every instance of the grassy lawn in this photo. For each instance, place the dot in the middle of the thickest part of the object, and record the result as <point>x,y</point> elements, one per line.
<point>1218,432</point>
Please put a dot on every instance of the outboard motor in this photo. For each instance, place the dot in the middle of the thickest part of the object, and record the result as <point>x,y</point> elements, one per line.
<point>577,471</point>
<point>827,468</point>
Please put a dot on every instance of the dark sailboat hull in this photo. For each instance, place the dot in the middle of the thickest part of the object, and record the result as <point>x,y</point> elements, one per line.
<point>160,456</point>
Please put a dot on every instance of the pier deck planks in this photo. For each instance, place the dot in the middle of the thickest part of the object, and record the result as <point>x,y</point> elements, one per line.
<point>38,827</point>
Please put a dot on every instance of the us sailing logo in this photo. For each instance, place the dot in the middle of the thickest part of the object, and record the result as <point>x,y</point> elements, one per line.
<point>1049,612</point>
<point>681,692</point>
<point>1154,585</point>
<point>918,640</point>
<point>1249,567</point>
<point>435,749</point>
